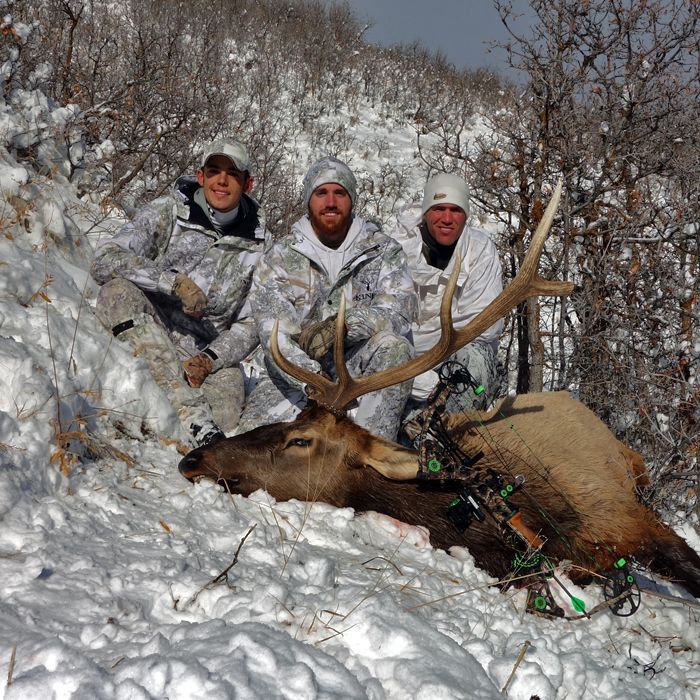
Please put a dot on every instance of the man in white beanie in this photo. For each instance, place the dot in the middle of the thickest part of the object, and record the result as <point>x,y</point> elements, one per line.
<point>299,282</point>
<point>430,236</point>
<point>175,282</point>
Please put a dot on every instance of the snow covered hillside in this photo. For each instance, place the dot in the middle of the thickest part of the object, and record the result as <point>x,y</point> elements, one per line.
<point>121,580</point>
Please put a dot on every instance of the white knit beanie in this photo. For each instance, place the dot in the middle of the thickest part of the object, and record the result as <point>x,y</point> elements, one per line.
<point>446,189</point>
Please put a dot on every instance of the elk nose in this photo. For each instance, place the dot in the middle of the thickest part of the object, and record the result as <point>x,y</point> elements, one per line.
<point>189,465</point>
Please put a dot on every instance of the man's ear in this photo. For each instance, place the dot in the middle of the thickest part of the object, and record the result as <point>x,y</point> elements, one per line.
<point>248,184</point>
<point>200,176</point>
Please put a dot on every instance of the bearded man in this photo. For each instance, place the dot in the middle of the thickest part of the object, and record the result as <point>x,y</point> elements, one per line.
<point>299,282</point>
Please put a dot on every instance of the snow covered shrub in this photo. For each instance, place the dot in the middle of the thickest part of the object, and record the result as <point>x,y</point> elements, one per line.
<point>61,376</point>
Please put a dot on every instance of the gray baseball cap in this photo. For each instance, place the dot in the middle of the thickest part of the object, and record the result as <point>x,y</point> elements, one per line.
<point>233,150</point>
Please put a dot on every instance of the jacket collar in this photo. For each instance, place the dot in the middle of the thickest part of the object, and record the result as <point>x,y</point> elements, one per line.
<point>412,242</point>
<point>436,255</point>
<point>191,212</point>
<point>359,241</point>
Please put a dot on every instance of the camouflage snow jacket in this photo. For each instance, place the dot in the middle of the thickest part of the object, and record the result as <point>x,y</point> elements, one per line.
<point>174,234</point>
<point>300,281</point>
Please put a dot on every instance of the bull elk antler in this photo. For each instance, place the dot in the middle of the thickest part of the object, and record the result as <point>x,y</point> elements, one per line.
<point>527,283</point>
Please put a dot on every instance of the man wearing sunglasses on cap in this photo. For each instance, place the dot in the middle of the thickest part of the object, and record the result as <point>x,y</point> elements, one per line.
<point>175,283</point>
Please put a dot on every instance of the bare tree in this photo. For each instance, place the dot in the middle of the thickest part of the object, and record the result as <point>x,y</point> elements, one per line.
<point>610,102</point>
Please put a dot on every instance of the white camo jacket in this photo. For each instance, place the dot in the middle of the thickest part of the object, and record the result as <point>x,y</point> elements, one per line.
<point>173,235</point>
<point>480,280</point>
<point>292,285</point>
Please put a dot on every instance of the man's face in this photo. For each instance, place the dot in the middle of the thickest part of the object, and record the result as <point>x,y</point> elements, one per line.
<point>222,183</point>
<point>330,211</point>
<point>445,223</point>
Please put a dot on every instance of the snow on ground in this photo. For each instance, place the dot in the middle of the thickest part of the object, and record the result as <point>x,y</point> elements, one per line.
<point>112,580</point>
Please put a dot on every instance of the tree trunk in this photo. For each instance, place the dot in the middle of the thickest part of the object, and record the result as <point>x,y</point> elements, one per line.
<point>536,381</point>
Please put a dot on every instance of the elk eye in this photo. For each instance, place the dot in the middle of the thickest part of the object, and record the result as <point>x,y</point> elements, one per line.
<point>298,442</point>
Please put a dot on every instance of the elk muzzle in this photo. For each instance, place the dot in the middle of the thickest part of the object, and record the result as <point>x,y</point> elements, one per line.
<point>195,464</point>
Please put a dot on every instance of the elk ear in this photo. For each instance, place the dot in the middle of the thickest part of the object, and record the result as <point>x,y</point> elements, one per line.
<point>391,459</point>
<point>636,467</point>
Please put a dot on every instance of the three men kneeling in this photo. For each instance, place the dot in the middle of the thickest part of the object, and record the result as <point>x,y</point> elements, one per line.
<point>193,282</point>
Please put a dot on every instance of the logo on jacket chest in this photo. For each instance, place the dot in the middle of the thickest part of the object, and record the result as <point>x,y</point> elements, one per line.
<point>364,292</point>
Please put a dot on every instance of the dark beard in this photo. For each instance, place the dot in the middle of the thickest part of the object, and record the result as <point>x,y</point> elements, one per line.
<point>332,236</point>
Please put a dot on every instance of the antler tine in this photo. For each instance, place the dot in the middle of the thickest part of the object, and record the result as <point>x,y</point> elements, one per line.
<point>336,396</point>
<point>341,368</point>
<point>318,388</point>
<point>313,381</point>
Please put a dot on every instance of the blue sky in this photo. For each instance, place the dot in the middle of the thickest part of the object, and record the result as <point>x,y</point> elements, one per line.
<point>461,29</point>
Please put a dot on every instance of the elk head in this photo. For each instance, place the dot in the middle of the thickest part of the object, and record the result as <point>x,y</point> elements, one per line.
<point>321,453</point>
<point>317,456</point>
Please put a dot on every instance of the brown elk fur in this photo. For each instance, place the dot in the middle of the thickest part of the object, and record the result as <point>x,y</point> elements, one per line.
<point>579,493</point>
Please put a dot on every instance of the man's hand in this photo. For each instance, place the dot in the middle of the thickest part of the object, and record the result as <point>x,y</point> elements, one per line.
<point>193,299</point>
<point>317,338</point>
<point>197,369</point>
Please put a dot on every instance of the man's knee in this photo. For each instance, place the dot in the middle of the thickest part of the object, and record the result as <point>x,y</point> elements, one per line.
<point>481,361</point>
<point>392,347</point>
<point>225,393</point>
<point>270,402</point>
<point>119,301</point>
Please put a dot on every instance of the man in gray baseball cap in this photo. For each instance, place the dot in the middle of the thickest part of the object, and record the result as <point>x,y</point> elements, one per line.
<point>175,282</point>
<point>234,151</point>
